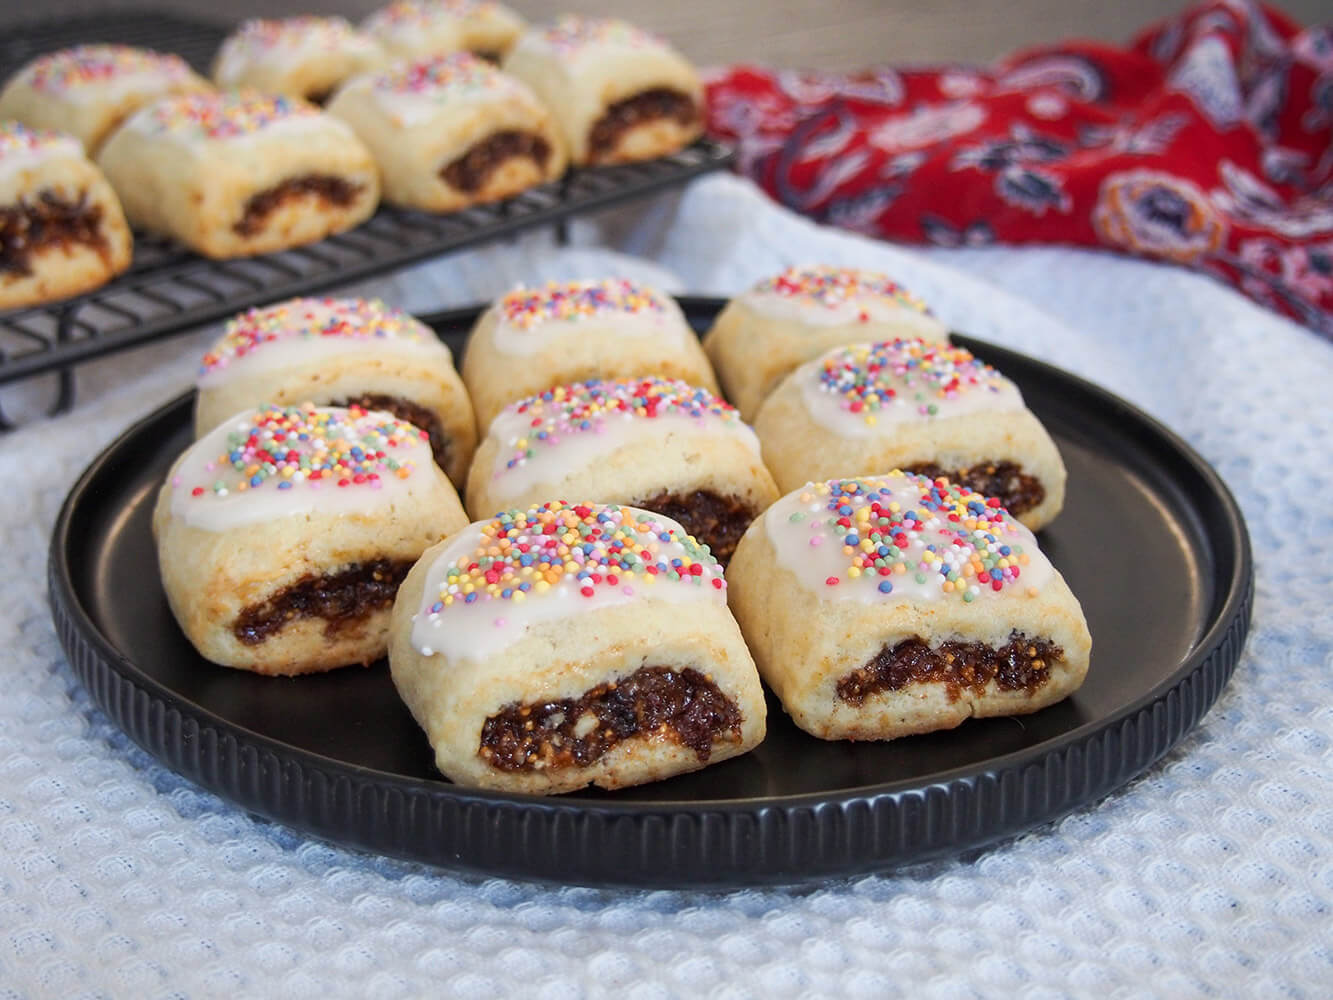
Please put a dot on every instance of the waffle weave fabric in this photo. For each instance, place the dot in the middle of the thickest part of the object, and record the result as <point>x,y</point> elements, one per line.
<point>1211,875</point>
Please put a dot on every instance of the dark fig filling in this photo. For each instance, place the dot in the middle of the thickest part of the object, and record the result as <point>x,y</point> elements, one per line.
<point>1007,481</point>
<point>1021,664</point>
<point>340,599</point>
<point>470,172</point>
<point>48,221</point>
<point>685,706</point>
<point>714,520</point>
<point>413,413</point>
<point>326,188</point>
<point>491,57</point>
<point>650,105</point>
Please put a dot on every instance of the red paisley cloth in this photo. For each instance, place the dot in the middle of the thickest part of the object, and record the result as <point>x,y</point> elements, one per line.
<point>1207,143</point>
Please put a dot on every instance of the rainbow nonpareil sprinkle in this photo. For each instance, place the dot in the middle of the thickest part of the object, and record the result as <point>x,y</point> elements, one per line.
<point>93,65</point>
<point>304,32</point>
<point>834,286</point>
<point>446,75</point>
<point>427,12</point>
<point>16,137</point>
<point>572,32</point>
<point>225,116</point>
<point>527,308</point>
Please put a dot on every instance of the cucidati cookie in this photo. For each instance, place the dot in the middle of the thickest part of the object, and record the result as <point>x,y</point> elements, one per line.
<point>572,331</point>
<point>409,30</point>
<point>306,57</point>
<point>797,315</point>
<point>61,228</point>
<point>452,131</point>
<point>340,352</point>
<point>231,175</point>
<point>88,90</point>
<point>564,645</point>
<point>912,405</point>
<point>619,93</point>
<point>657,444</point>
<point>890,605</point>
<point>283,534</point>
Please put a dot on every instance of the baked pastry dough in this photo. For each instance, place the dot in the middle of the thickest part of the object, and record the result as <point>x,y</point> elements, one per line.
<point>653,443</point>
<point>88,90</point>
<point>797,315</point>
<point>907,404</point>
<point>306,57</point>
<point>565,645</point>
<point>572,331</point>
<point>451,131</point>
<point>410,30</point>
<point>619,93</point>
<point>231,175</point>
<point>61,228</point>
<point>283,534</point>
<point>885,606</point>
<point>340,352</point>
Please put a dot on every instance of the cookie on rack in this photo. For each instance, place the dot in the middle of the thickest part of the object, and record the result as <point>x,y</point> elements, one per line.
<point>917,406</point>
<point>792,317</point>
<point>619,93</point>
<point>410,30</point>
<point>306,57</point>
<point>890,605</point>
<point>232,175</point>
<point>283,534</point>
<point>657,444</point>
<point>572,331</point>
<point>546,649</point>
<point>452,131</point>
<point>88,90</point>
<point>340,352</point>
<point>62,230</point>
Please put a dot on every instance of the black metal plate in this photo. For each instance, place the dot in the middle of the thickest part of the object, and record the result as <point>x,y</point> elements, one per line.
<point>1150,541</point>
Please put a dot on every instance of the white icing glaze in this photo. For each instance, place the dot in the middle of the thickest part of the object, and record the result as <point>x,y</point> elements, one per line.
<point>804,531</point>
<point>455,84</point>
<point>576,41</point>
<point>572,308</point>
<point>824,296</point>
<point>23,150</point>
<point>437,25</point>
<point>105,74</point>
<point>303,332</point>
<point>170,121</point>
<point>870,390</point>
<point>461,630</point>
<point>210,492</point>
<point>544,441</point>
<point>283,44</point>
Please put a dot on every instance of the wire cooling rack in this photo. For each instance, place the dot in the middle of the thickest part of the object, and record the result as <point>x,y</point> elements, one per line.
<point>169,290</point>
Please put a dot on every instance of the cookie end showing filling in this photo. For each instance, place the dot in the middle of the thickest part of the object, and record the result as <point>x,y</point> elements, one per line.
<point>470,172</point>
<point>657,104</point>
<point>1005,480</point>
<point>714,520</point>
<point>684,706</point>
<point>341,600</point>
<point>327,189</point>
<point>48,221</point>
<point>1021,664</point>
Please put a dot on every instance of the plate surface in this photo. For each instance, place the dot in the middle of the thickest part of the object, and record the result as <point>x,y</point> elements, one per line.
<point>1150,541</point>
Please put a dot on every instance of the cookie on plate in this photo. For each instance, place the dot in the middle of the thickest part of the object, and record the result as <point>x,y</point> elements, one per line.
<point>231,175</point>
<point>619,93</point>
<point>340,352</point>
<point>283,534</point>
<point>920,407</point>
<point>88,90</point>
<point>564,645</point>
<point>409,30</point>
<point>451,131</point>
<point>61,228</point>
<point>797,315</point>
<point>572,331</point>
<point>892,605</point>
<point>657,444</point>
<point>306,57</point>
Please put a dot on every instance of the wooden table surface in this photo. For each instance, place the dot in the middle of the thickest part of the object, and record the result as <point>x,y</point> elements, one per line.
<point>840,34</point>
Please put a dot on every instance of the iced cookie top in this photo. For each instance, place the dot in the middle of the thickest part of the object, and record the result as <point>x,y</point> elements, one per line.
<point>571,35</point>
<point>406,21</point>
<point>22,148</point>
<point>495,579</point>
<point>868,389</point>
<point>305,331</point>
<point>903,538</point>
<point>828,296</point>
<point>545,438</point>
<point>282,42</point>
<point>105,73</point>
<point>277,461</point>
<point>212,117</point>
<point>416,92</point>
<point>527,318</point>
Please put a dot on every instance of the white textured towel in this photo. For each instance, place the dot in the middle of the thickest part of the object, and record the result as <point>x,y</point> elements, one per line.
<point>1212,875</point>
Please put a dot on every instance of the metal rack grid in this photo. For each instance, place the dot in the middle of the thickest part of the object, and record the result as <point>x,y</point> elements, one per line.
<point>169,290</point>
